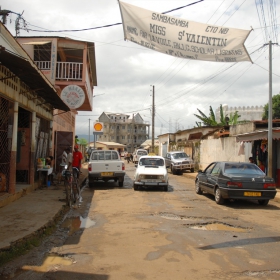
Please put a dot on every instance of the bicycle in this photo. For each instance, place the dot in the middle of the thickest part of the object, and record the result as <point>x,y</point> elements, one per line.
<point>71,184</point>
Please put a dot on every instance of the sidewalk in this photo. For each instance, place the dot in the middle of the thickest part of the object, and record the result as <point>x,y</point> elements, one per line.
<point>31,214</point>
<point>193,176</point>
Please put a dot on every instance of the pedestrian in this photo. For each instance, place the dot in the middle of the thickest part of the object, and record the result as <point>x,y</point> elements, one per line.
<point>49,162</point>
<point>128,156</point>
<point>63,158</point>
<point>77,159</point>
<point>251,160</point>
<point>69,159</point>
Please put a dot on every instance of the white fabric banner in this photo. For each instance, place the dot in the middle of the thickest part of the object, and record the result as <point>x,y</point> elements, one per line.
<point>183,38</point>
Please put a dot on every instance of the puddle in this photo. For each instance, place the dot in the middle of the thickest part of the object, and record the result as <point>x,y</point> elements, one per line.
<point>51,262</point>
<point>76,223</point>
<point>217,226</point>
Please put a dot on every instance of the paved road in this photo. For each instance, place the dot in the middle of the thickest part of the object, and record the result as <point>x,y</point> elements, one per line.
<point>119,233</point>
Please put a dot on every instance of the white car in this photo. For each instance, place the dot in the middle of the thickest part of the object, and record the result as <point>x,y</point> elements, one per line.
<point>151,172</point>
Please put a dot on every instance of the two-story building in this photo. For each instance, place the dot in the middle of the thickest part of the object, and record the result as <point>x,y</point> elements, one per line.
<point>128,130</point>
<point>28,101</point>
<point>70,67</point>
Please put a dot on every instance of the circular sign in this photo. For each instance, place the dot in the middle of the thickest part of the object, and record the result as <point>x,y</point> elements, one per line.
<point>73,96</point>
<point>98,127</point>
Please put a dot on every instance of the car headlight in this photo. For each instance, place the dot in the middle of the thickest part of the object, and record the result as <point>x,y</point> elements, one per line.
<point>141,177</point>
<point>161,177</point>
<point>177,163</point>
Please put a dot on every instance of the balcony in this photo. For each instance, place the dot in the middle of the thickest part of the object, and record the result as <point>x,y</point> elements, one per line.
<point>70,72</point>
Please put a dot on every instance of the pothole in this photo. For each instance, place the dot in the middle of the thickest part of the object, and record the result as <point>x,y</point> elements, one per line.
<point>76,223</point>
<point>217,226</point>
<point>171,216</point>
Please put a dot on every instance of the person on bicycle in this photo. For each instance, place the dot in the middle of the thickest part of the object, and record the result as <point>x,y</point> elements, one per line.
<point>77,158</point>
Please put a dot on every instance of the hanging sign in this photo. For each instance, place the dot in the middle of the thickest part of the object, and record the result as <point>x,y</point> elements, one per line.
<point>98,128</point>
<point>183,38</point>
<point>73,96</point>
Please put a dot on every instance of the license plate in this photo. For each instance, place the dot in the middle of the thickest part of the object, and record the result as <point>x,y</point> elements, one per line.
<point>106,173</point>
<point>252,193</point>
<point>150,181</point>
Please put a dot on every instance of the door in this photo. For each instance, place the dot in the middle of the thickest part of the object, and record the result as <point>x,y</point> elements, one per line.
<point>63,140</point>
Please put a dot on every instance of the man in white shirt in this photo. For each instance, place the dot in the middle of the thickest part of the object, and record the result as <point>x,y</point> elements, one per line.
<point>69,159</point>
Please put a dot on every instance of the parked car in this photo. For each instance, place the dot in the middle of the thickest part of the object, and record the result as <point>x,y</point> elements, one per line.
<point>178,162</point>
<point>151,172</point>
<point>105,165</point>
<point>137,154</point>
<point>235,180</point>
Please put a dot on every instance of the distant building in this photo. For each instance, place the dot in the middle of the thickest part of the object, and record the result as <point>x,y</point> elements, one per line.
<point>249,113</point>
<point>128,130</point>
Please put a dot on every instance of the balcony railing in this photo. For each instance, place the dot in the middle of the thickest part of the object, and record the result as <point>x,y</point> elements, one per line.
<point>64,70</point>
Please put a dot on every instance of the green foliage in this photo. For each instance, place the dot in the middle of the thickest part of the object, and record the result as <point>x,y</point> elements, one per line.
<point>275,108</point>
<point>211,120</point>
<point>83,141</point>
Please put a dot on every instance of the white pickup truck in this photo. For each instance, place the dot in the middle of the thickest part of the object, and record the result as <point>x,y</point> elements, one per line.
<point>105,166</point>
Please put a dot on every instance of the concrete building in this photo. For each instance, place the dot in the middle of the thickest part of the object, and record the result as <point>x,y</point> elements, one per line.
<point>249,113</point>
<point>70,67</point>
<point>27,102</point>
<point>128,130</point>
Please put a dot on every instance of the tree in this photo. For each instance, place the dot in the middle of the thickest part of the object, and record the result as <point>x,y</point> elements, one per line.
<point>224,119</point>
<point>275,108</point>
<point>83,142</point>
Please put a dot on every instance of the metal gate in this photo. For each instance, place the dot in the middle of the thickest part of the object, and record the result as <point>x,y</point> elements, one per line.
<point>5,145</point>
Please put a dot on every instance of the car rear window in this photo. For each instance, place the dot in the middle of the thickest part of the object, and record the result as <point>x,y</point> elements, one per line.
<point>104,155</point>
<point>242,168</point>
<point>151,162</point>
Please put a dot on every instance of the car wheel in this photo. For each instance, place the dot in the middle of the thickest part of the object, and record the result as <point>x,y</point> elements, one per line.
<point>135,187</point>
<point>218,196</point>
<point>198,190</point>
<point>192,170</point>
<point>165,188</point>
<point>120,183</point>
<point>263,202</point>
<point>174,172</point>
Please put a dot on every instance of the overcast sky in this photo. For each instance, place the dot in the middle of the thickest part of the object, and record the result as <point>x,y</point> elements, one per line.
<point>126,71</point>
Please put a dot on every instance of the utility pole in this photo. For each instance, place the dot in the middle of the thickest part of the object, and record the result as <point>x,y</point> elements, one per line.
<point>89,131</point>
<point>153,121</point>
<point>269,138</point>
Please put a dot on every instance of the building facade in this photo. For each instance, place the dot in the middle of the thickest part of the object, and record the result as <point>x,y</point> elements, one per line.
<point>128,130</point>
<point>70,67</point>
<point>27,102</point>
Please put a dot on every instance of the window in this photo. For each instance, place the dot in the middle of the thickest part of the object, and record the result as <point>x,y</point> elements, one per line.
<point>216,170</point>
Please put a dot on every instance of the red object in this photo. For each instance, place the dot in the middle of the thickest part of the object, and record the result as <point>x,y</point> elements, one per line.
<point>77,159</point>
<point>76,147</point>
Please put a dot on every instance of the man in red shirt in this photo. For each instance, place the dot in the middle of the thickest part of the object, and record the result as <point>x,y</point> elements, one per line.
<point>77,158</point>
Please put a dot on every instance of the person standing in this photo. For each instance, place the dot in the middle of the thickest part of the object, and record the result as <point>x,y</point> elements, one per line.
<point>69,159</point>
<point>64,158</point>
<point>77,158</point>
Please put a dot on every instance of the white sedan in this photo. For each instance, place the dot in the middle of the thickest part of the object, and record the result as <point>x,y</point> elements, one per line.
<point>151,172</point>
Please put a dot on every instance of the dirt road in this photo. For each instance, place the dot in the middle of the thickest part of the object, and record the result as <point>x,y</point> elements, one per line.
<point>118,233</point>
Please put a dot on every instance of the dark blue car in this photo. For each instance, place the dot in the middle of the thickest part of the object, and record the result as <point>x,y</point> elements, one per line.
<point>235,180</point>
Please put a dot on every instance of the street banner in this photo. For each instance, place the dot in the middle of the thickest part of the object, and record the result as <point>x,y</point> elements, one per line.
<point>183,38</point>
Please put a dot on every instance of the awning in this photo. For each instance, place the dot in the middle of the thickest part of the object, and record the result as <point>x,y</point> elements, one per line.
<point>32,77</point>
<point>258,135</point>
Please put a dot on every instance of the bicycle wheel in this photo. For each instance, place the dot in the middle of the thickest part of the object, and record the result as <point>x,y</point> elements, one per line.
<point>68,192</point>
<point>76,186</point>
